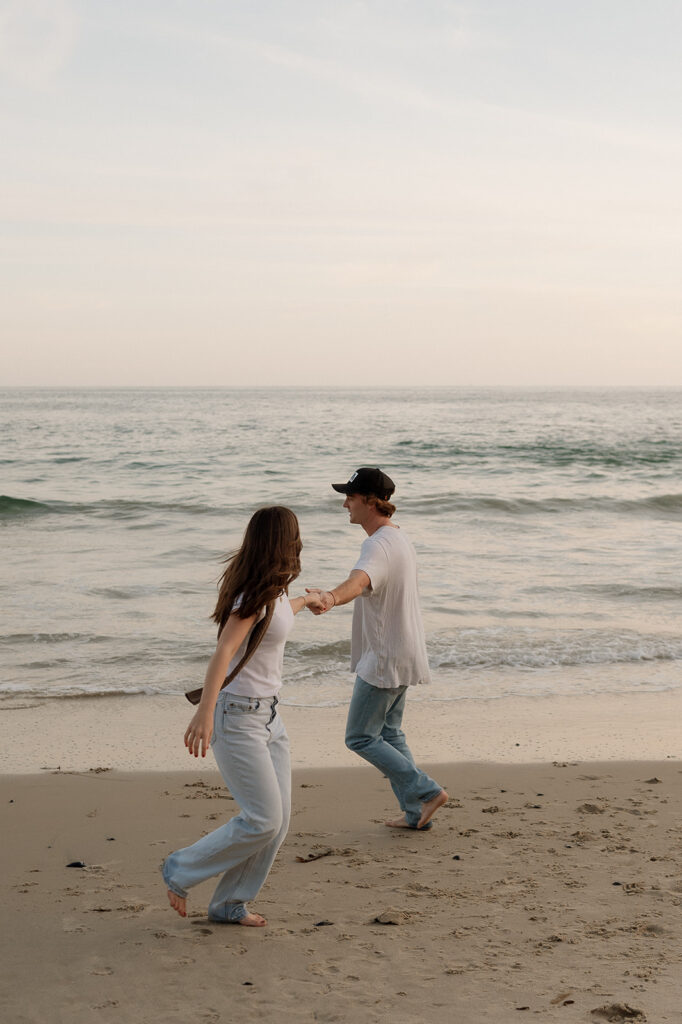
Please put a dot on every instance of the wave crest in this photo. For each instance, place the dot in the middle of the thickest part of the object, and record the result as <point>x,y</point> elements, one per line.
<point>13,507</point>
<point>487,649</point>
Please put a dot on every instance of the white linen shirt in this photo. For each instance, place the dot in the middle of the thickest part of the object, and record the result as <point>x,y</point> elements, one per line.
<point>387,641</point>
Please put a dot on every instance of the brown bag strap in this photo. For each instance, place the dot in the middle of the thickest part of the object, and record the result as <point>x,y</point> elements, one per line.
<point>257,633</point>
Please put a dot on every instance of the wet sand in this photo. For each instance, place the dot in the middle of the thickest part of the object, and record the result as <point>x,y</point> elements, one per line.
<point>145,733</point>
<point>544,891</point>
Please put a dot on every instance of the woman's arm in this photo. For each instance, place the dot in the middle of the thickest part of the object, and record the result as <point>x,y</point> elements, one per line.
<point>200,729</point>
<point>299,603</point>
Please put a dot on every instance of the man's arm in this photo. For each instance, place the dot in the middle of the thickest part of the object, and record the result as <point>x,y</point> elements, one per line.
<point>344,593</point>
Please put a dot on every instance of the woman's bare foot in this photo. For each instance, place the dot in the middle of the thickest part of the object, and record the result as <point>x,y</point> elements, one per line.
<point>178,903</point>
<point>252,921</point>
<point>431,806</point>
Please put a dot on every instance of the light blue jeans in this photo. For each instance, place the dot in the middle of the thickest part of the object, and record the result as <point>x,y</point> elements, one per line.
<point>251,748</point>
<point>373,731</point>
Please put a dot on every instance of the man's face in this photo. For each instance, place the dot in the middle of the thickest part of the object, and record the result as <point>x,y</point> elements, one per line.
<point>357,507</point>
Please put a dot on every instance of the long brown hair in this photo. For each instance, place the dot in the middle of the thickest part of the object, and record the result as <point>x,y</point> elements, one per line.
<point>266,563</point>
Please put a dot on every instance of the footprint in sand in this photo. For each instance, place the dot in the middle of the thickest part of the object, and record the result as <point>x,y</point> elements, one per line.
<point>391,916</point>
<point>132,909</point>
<point>614,1013</point>
<point>72,927</point>
<point>590,809</point>
<point>323,968</point>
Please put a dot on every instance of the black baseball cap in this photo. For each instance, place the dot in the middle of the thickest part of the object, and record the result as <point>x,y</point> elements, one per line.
<point>368,481</point>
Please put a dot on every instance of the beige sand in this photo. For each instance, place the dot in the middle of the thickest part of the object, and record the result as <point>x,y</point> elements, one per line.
<point>543,892</point>
<point>145,733</point>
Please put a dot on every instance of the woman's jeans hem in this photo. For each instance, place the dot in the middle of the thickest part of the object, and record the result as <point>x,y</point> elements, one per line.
<point>233,915</point>
<point>171,885</point>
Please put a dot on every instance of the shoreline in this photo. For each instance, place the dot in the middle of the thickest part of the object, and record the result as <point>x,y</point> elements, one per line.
<point>144,733</point>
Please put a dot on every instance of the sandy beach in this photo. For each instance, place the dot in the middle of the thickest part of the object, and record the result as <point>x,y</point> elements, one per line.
<point>145,733</point>
<point>547,890</point>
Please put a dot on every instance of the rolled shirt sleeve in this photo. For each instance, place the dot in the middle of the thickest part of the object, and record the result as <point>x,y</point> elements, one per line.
<point>374,561</point>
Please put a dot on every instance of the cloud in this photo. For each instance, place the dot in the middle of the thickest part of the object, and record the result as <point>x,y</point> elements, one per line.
<point>37,38</point>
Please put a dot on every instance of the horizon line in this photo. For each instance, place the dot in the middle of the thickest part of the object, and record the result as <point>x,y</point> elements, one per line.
<point>338,387</point>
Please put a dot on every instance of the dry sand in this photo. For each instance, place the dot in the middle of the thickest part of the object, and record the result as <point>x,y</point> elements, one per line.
<point>547,891</point>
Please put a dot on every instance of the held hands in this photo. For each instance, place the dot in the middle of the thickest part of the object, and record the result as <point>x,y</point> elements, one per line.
<point>320,601</point>
<point>199,732</point>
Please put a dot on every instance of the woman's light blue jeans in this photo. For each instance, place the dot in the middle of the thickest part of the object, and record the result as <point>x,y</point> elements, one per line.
<point>251,748</point>
<point>373,731</point>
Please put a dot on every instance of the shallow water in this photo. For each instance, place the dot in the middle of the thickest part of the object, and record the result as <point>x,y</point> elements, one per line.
<point>547,524</point>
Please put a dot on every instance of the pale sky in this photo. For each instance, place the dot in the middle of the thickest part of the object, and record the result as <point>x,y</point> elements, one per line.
<point>388,192</point>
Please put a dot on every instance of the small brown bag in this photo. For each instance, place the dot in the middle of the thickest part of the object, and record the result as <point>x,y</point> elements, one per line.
<point>257,634</point>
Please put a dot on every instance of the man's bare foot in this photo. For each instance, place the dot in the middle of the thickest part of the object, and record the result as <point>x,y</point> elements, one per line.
<point>252,921</point>
<point>178,903</point>
<point>431,806</point>
<point>404,823</point>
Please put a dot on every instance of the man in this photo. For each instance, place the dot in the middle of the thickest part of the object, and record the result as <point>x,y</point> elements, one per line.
<point>388,651</point>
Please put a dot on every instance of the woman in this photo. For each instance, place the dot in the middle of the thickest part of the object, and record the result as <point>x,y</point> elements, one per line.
<point>240,721</point>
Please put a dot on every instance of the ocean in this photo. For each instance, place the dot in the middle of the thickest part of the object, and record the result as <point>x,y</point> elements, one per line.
<point>546,522</point>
